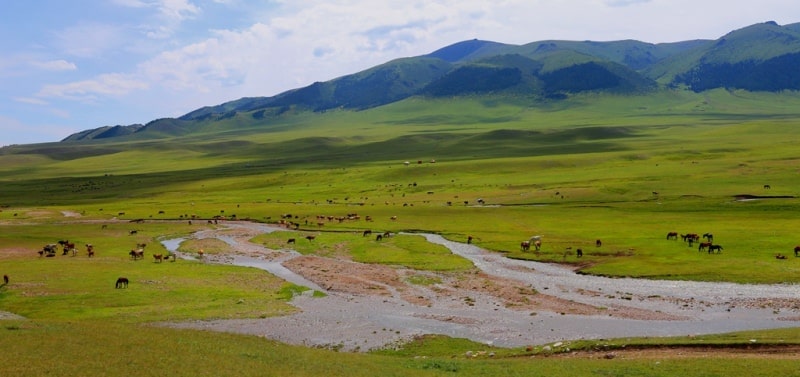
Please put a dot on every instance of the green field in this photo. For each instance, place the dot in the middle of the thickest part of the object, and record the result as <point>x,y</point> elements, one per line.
<point>625,170</point>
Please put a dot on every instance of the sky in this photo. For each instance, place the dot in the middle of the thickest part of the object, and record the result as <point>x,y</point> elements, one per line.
<point>72,65</point>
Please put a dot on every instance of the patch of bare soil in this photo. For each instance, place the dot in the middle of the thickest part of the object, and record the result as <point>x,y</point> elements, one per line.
<point>683,352</point>
<point>16,252</point>
<point>379,280</point>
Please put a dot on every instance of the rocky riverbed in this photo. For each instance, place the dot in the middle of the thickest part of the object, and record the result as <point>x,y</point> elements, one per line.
<point>503,302</point>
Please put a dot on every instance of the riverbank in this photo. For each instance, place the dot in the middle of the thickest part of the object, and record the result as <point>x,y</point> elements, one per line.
<point>504,302</point>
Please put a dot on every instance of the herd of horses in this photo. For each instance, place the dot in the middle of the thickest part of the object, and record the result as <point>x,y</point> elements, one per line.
<point>68,248</point>
<point>691,238</point>
<point>709,245</point>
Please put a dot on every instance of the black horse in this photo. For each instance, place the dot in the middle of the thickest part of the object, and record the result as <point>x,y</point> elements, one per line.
<point>121,283</point>
<point>715,248</point>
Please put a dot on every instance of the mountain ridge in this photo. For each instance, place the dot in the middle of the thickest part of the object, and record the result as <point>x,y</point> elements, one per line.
<point>758,57</point>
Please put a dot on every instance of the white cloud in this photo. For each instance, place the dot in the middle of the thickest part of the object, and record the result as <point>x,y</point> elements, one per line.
<point>176,9</point>
<point>31,100</point>
<point>89,91</point>
<point>56,65</point>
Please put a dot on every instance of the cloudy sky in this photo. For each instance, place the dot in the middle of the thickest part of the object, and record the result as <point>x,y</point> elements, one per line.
<point>73,65</point>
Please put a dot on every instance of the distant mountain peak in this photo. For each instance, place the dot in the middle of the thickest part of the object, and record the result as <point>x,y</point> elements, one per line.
<point>462,50</point>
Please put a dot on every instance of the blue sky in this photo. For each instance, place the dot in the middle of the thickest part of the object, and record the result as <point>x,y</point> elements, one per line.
<point>72,65</point>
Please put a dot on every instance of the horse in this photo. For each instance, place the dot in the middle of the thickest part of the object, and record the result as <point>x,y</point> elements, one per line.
<point>525,245</point>
<point>672,236</point>
<point>708,236</point>
<point>703,245</point>
<point>5,279</point>
<point>579,252</point>
<point>537,245</point>
<point>311,238</point>
<point>469,240</point>
<point>715,248</point>
<point>379,237</point>
<point>136,254</point>
<point>797,251</point>
<point>598,243</point>
<point>158,258</point>
<point>366,233</point>
<point>780,256</point>
<point>121,283</point>
<point>290,241</point>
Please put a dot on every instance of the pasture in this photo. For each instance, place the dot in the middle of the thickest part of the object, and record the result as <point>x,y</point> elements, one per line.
<point>623,170</point>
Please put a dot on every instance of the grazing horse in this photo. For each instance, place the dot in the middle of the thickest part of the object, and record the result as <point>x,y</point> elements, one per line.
<point>703,245</point>
<point>290,241</point>
<point>121,283</point>
<point>5,279</point>
<point>709,237</point>
<point>158,258</point>
<point>133,232</point>
<point>366,233</point>
<point>379,237</point>
<point>715,248</point>
<point>311,238</point>
<point>767,187</point>
<point>598,243</point>
<point>136,254</point>
<point>525,245</point>
<point>537,245</point>
<point>797,251</point>
<point>469,240</point>
<point>579,252</point>
<point>672,236</point>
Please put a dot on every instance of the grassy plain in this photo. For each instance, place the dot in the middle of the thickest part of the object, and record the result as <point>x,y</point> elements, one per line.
<point>623,170</point>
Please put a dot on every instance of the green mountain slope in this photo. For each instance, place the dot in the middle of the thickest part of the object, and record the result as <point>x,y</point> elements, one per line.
<point>761,57</point>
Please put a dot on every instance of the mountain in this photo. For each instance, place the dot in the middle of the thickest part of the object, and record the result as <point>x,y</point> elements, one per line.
<point>760,57</point>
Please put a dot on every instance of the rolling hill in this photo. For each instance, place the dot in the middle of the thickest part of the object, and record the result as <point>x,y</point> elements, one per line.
<point>760,57</point>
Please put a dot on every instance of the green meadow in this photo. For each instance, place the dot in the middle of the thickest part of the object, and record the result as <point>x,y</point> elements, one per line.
<point>625,170</point>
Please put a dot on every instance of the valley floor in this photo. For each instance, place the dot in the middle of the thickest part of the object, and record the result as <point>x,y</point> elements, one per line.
<point>503,302</point>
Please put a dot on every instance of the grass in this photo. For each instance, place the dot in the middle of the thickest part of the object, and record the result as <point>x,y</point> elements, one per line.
<point>623,170</point>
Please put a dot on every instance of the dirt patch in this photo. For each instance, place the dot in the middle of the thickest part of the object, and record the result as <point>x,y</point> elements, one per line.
<point>379,280</point>
<point>683,352</point>
<point>16,253</point>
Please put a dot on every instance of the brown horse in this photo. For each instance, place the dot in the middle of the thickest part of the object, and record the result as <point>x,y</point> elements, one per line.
<point>525,245</point>
<point>672,236</point>
<point>136,254</point>
<point>121,283</point>
<point>158,258</point>
<point>703,246</point>
<point>5,279</point>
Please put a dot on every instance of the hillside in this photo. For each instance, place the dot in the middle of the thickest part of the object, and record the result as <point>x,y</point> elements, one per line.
<point>760,57</point>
